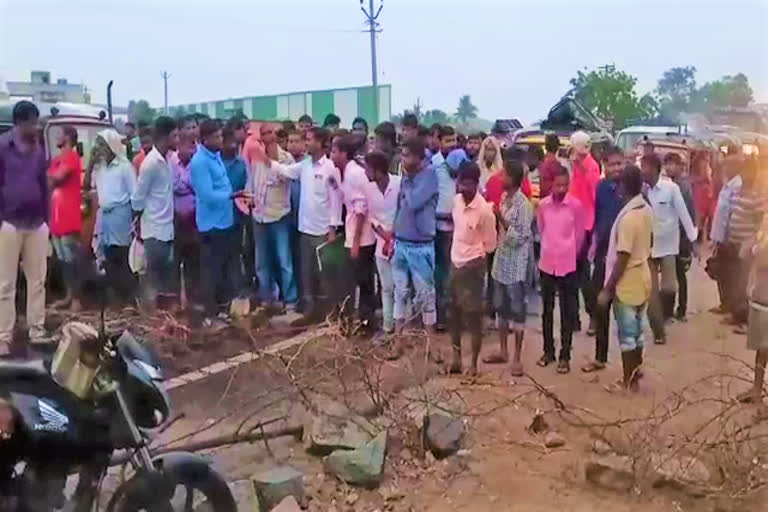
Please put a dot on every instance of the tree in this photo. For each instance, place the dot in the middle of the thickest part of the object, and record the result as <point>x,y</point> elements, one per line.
<point>730,91</point>
<point>676,89</point>
<point>435,116</point>
<point>466,110</point>
<point>140,112</point>
<point>610,94</point>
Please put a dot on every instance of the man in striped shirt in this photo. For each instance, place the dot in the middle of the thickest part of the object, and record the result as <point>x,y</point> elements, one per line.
<point>749,206</point>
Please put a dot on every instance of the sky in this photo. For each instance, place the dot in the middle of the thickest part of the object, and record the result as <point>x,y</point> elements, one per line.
<point>515,58</point>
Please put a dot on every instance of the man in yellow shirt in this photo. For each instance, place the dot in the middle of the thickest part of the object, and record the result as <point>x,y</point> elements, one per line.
<point>628,275</point>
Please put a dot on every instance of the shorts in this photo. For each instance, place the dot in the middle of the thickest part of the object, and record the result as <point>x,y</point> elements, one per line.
<point>467,285</point>
<point>757,327</point>
<point>629,324</point>
<point>510,302</point>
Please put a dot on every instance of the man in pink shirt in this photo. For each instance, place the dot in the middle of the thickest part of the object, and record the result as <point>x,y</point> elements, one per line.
<point>584,180</point>
<point>359,240</point>
<point>560,218</point>
<point>474,237</point>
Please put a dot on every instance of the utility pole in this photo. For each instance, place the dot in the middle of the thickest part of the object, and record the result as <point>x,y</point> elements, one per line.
<point>165,76</point>
<point>371,16</point>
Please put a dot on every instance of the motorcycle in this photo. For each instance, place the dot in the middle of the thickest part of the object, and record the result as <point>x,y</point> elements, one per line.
<point>67,415</point>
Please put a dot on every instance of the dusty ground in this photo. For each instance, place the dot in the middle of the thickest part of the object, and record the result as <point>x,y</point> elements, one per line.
<point>503,466</point>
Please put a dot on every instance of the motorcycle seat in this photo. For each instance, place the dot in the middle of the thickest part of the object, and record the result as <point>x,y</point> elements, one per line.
<point>34,368</point>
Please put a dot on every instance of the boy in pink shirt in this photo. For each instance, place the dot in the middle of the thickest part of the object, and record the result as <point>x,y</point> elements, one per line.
<point>560,219</point>
<point>474,237</point>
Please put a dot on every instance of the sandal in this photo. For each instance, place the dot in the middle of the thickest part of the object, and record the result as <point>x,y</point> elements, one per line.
<point>563,367</point>
<point>593,366</point>
<point>748,397</point>
<point>516,370</point>
<point>741,330</point>
<point>497,358</point>
<point>545,361</point>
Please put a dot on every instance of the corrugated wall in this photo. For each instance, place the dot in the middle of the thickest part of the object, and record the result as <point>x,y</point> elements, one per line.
<point>346,103</point>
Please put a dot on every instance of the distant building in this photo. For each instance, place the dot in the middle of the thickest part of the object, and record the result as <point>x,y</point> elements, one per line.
<point>40,88</point>
<point>347,103</point>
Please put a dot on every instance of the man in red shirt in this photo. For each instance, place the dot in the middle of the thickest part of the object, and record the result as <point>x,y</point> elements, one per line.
<point>64,178</point>
<point>549,165</point>
<point>584,180</point>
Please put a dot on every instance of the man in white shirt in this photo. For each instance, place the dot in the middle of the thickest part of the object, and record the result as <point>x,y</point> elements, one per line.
<point>383,191</point>
<point>319,216</point>
<point>669,212</point>
<point>360,241</point>
<point>153,201</point>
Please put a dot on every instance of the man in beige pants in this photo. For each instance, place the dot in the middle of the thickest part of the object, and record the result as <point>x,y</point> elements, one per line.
<point>23,223</point>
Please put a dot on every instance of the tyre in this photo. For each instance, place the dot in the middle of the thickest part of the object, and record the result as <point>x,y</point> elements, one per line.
<point>176,490</point>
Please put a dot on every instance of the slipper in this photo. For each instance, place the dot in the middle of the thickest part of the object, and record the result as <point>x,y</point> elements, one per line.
<point>496,358</point>
<point>616,387</point>
<point>545,361</point>
<point>563,367</point>
<point>593,366</point>
<point>741,329</point>
<point>748,397</point>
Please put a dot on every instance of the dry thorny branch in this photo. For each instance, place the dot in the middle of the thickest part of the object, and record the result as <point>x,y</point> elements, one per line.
<point>700,422</point>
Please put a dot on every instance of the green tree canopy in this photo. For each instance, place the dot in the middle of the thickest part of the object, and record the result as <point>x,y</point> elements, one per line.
<point>435,116</point>
<point>610,94</point>
<point>678,93</point>
<point>466,110</point>
<point>140,112</point>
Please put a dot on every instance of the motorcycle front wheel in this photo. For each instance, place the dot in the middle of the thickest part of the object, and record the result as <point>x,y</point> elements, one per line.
<point>179,489</point>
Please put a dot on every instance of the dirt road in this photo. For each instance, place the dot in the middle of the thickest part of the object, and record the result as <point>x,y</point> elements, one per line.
<point>503,466</point>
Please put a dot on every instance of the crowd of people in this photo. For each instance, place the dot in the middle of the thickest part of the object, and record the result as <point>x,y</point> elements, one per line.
<point>455,232</point>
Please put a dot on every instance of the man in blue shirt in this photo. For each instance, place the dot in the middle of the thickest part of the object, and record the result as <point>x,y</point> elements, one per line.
<point>414,230</point>
<point>608,204</point>
<point>214,214</point>
<point>446,163</point>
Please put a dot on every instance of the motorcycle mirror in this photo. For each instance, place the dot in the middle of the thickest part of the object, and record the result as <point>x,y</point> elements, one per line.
<point>95,287</point>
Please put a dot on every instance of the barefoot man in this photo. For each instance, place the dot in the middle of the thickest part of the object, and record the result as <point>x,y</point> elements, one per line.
<point>474,237</point>
<point>511,271</point>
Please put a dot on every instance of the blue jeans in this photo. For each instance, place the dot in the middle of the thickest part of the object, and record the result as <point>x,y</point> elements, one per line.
<point>414,263</point>
<point>273,252</point>
<point>384,267</point>
<point>629,323</point>
<point>160,273</point>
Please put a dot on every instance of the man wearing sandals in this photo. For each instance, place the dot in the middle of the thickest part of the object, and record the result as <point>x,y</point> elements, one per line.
<point>560,218</point>
<point>628,273</point>
<point>608,204</point>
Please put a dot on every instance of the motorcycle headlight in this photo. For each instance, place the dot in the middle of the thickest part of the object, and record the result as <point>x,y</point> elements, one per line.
<point>151,371</point>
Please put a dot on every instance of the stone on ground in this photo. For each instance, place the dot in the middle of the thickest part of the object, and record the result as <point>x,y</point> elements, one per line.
<point>538,424</point>
<point>276,484</point>
<point>244,494</point>
<point>443,434</point>
<point>682,473</point>
<point>324,434</point>
<point>554,439</point>
<point>363,466</point>
<point>613,473</point>
<point>288,504</point>
<point>600,447</point>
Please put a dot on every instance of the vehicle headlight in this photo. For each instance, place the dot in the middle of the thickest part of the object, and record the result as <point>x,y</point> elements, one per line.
<point>154,373</point>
